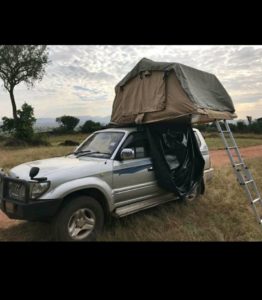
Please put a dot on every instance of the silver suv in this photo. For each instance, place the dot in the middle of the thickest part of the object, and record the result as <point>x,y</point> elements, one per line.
<point>105,176</point>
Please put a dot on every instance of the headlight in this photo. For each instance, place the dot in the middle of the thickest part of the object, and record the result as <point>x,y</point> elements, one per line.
<point>38,188</point>
<point>16,190</point>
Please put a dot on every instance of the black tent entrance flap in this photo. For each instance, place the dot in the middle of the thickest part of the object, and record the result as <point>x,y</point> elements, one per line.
<point>176,157</point>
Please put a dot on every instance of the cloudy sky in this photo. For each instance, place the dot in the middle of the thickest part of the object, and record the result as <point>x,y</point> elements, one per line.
<point>80,80</point>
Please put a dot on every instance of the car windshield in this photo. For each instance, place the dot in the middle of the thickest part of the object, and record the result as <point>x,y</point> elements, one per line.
<point>100,144</point>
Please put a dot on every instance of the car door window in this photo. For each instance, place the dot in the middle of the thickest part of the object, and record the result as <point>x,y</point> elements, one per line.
<point>139,143</point>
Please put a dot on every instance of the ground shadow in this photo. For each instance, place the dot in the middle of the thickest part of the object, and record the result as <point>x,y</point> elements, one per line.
<point>27,231</point>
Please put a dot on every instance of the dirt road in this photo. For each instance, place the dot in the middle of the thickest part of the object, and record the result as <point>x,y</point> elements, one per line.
<point>220,158</point>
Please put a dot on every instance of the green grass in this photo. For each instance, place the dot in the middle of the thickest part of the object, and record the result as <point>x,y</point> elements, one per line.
<point>214,141</point>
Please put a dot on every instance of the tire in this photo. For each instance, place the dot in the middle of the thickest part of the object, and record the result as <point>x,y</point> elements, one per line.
<point>81,219</point>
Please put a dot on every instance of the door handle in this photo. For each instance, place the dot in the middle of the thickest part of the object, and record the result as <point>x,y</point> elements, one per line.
<point>150,169</point>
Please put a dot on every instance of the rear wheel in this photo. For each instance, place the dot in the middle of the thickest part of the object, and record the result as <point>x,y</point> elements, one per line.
<point>81,219</point>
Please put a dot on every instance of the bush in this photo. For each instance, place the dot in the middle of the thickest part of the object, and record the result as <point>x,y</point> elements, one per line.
<point>67,124</point>
<point>69,143</point>
<point>22,128</point>
<point>90,126</point>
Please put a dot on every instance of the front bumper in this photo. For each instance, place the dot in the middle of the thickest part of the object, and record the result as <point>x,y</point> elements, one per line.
<point>26,209</point>
<point>31,211</point>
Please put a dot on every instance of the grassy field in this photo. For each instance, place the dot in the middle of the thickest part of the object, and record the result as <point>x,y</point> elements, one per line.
<point>10,156</point>
<point>222,214</point>
<point>55,140</point>
<point>243,140</point>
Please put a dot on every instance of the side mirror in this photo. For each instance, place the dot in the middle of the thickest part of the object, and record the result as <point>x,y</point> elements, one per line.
<point>33,172</point>
<point>127,153</point>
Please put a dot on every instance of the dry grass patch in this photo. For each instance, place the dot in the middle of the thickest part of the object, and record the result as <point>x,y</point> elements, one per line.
<point>222,214</point>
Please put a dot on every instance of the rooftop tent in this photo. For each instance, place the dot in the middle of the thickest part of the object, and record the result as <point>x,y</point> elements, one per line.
<point>161,91</point>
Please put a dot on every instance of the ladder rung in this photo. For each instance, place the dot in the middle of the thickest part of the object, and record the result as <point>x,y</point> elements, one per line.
<point>239,164</point>
<point>256,200</point>
<point>249,181</point>
<point>234,147</point>
<point>225,131</point>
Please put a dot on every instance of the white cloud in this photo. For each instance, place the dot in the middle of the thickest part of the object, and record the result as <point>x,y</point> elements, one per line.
<point>81,79</point>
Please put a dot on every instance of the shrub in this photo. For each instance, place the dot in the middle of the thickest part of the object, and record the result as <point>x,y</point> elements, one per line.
<point>90,126</point>
<point>22,128</point>
<point>67,123</point>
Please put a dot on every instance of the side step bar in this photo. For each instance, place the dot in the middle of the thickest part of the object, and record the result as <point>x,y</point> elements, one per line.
<point>137,206</point>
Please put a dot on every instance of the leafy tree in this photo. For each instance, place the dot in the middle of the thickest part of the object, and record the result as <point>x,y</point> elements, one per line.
<point>90,126</point>
<point>241,126</point>
<point>24,123</point>
<point>67,123</point>
<point>21,63</point>
<point>256,127</point>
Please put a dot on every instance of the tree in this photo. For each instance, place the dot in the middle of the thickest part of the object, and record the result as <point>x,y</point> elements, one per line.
<point>21,63</point>
<point>249,119</point>
<point>67,123</point>
<point>90,126</point>
<point>241,127</point>
<point>25,121</point>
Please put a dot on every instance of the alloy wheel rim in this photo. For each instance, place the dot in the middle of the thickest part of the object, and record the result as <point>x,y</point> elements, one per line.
<point>81,224</point>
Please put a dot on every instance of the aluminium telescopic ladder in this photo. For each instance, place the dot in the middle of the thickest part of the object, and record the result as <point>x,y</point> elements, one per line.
<point>243,174</point>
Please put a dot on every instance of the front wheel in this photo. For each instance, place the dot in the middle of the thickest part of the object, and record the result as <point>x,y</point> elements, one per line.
<point>81,219</point>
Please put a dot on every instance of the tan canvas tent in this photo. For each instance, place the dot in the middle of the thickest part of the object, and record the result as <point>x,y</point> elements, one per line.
<point>159,91</point>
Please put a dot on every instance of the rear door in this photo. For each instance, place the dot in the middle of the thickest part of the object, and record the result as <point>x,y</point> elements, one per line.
<point>203,147</point>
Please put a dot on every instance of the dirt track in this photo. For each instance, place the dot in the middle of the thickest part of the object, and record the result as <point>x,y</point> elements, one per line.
<point>218,158</point>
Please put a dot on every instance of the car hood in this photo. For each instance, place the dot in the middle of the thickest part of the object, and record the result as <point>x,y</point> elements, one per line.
<point>68,168</point>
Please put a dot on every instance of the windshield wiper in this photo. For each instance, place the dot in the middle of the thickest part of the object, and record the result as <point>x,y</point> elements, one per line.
<point>82,153</point>
<point>85,152</point>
